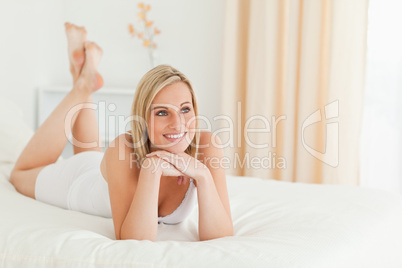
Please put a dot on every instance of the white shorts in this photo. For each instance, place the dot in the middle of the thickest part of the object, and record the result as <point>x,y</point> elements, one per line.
<point>76,184</point>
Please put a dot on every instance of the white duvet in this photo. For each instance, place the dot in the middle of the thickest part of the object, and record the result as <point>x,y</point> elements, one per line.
<point>276,224</point>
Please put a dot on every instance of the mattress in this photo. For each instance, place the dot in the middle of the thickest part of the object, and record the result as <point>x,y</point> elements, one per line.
<point>276,224</point>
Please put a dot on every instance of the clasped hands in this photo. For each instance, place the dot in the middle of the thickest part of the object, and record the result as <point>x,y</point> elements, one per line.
<point>180,165</point>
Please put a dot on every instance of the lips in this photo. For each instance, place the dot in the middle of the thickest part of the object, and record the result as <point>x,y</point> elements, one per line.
<point>172,137</point>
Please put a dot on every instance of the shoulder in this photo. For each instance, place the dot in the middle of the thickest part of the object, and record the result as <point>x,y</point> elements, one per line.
<point>119,158</point>
<point>210,147</point>
<point>207,139</point>
<point>121,146</point>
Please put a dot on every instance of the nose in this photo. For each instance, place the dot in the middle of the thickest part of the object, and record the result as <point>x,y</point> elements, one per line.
<point>177,121</point>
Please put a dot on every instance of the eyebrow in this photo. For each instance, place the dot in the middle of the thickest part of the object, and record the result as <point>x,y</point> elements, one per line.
<point>167,107</point>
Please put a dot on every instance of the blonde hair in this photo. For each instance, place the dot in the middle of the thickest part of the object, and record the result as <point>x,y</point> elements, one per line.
<point>150,84</point>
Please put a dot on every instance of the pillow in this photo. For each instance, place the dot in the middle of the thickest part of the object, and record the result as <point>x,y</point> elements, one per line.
<point>14,135</point>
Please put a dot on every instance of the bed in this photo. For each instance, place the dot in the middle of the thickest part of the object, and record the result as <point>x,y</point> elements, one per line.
<point>276,224</point>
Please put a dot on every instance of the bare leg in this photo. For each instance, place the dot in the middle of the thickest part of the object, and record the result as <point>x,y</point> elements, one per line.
<point>48,142</point>
<point>85,130</point>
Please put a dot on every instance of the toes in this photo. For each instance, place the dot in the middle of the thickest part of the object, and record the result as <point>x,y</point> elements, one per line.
<point>74,28</point>
<point>92,45</point>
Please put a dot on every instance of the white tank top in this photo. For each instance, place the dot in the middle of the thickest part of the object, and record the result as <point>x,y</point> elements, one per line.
<point>184,209</point>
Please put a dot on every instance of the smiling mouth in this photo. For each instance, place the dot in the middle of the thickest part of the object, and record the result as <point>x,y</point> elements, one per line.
<point>174,137</point>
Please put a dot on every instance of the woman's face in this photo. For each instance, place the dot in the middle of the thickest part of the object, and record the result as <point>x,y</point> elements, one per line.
<point>171,124</point>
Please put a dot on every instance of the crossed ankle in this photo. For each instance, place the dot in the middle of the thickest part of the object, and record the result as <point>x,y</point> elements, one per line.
<point>89,83</point>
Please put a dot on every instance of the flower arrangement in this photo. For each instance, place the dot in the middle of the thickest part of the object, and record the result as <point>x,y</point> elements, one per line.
<point>149,31</point>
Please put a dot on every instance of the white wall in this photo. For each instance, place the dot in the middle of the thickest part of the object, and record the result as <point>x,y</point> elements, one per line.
<point>381,145</point>
<point>26,49</point>
<point>33,45</point>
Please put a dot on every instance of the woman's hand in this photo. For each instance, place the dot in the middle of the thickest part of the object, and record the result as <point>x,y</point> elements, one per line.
<point>183,163</point>
<point>160,167</point>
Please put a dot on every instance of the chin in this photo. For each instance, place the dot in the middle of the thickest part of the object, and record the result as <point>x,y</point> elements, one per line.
<point>175,149</point>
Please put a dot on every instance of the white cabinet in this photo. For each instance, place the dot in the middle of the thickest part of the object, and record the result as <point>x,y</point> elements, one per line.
<point>112,108</point>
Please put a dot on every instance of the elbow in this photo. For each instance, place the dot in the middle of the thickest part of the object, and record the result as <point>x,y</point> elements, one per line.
<point>226,233</point>
<point>135,232</point>
<point>136,236</point>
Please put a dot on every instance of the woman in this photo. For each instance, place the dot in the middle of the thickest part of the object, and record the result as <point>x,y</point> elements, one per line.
<point>152,174</point>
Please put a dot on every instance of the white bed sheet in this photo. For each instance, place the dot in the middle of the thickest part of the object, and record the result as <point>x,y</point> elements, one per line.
<point>276,224</point>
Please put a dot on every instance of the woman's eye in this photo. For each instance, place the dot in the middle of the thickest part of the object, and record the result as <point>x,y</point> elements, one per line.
<point>161,113</point>
<point>186,109</point>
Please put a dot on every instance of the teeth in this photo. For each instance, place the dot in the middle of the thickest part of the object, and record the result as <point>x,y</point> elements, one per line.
<point>175,136</point>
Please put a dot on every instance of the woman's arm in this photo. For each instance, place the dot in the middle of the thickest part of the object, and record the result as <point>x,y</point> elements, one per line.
<point>215,219</point>
<point>141,222</point>
<point>133,192</point>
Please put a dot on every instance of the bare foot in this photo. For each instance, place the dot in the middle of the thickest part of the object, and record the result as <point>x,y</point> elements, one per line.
<point>76,37</point>
<point>90,79</point>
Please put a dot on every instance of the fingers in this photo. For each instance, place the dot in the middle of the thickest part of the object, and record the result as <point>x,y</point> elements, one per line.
<point>182,180</point>
<point>161,153</point>
<point>167,169</point>
<point>174,159</point>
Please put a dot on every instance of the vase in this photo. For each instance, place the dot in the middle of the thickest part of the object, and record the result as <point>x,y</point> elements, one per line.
<point>153,56</point>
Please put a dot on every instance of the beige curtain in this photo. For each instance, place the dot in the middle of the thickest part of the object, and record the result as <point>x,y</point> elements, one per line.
<point>293,79</point>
